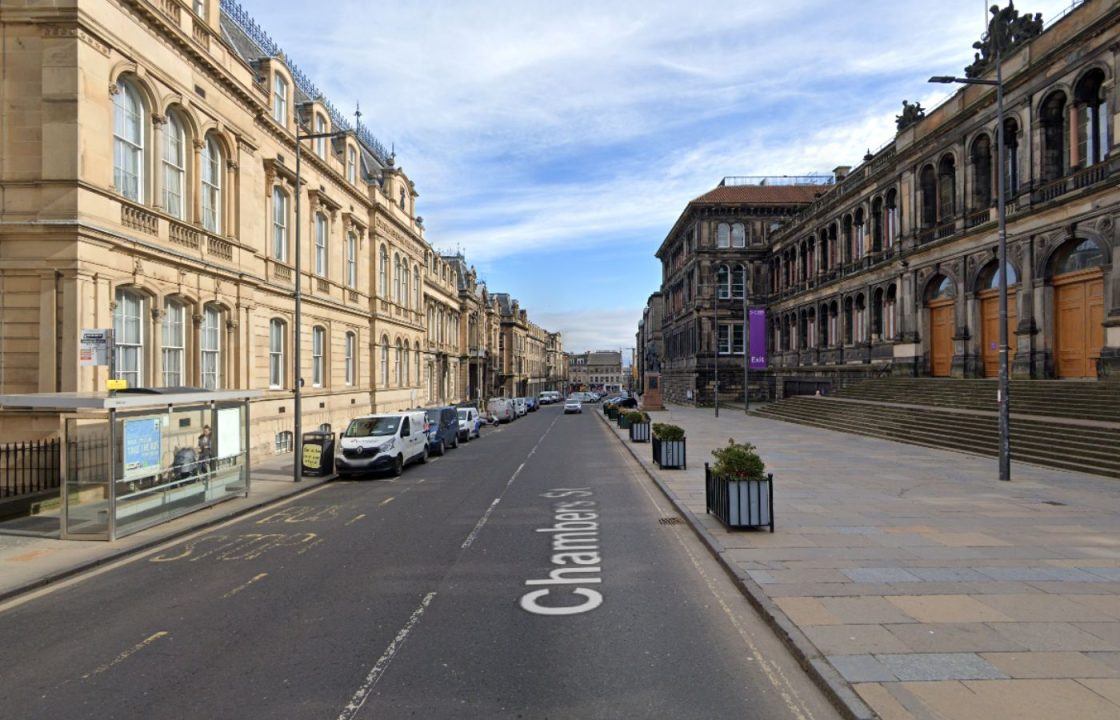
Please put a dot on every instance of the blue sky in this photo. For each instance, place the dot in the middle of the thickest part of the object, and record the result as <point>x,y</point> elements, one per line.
<point>555,143</point>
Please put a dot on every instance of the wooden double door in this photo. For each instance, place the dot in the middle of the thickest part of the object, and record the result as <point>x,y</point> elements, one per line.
<point>941,337</point>
<point>1078,318</point>
<point>989,330</point>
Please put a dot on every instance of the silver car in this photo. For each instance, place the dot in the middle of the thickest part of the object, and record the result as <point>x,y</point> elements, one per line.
<point>573,405</point>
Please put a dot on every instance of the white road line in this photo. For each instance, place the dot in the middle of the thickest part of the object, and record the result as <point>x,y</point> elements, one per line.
<point>239,588</point>
<point>385,502</point>
<point>126,654</point>
<point>482,521</point>
<point>356,519</point>
<point>382,663</point>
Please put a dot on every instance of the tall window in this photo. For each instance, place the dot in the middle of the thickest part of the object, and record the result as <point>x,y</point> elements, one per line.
<point>738,235</point>
<point>398,359</point>
<point>738,281</point>
<point>407,365</point>
<point>416,286</point>
<point>892,217</point>
<point>723,282</point>
<point>396,278</point>
<point>352,166</point>
<point>320,142</point>
<point>321,244</point>
<point>211,186</point>
<point>383,274</point>
<point>731,339</point>
<point>128,334</point>
<point>276,340</point>
<point>280,99</point>
<point>128,142</point>
<point>384,361</point>
<point>1091,108</point>
<point>174,166</point>
<point>318,342</point>
<point>348,356</point>
<point>981,173</point>
<point>723,235</point>
<point>211,347</point>
<point>417,361</point>
<point>1011,154</point>
<point>279,225</point>
<point>174,316</point>
<point>928,183</point>
<point>947,188</point>
<point>351,260</point>
<point>1053,120</point>
<point>404,283</point>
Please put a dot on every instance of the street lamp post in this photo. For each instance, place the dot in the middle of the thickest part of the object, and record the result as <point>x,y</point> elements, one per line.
<point>1002,396</point>
<point>746,350</point>
<point>297,335</point>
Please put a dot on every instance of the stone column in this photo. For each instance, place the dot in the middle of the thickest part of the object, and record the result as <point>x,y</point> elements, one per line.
<point>48,331</point>
<point>158,122</point>
<point>1023,340</point>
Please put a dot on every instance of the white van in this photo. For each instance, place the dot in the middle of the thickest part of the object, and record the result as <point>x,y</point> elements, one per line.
<point>520,407</point>
<point>501,409</point>
<point>384,442</point>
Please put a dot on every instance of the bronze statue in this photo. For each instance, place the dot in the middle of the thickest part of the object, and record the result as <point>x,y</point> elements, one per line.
<point>911,113</point>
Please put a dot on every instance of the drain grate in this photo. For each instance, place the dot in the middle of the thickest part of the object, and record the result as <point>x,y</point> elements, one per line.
<point>673,520</point>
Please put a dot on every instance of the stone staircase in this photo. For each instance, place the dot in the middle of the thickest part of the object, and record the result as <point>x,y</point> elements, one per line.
<point>1062,424</point>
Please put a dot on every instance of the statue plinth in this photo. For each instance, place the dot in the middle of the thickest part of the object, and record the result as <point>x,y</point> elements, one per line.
<point>651,395</point>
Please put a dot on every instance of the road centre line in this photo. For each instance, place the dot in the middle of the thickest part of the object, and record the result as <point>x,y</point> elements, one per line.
<point>385,502</point>
<point>126,654</point>
<point>362,694</point>
<point>241,587</point>
<point>482,521</point>
<point>355,519</point>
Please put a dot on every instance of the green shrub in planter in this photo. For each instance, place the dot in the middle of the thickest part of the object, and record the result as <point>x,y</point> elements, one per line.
<point>739,461</point>
<point>667,433</point>
<point>738,490</point>
<point>636,416</point>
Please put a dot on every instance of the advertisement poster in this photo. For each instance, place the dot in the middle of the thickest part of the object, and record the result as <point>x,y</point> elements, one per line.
<point>757,338</point>
<point>141,452</point>
<point>229,432</point>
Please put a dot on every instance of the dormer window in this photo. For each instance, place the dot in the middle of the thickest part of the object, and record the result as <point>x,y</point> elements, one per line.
<point>321,142</point>
<point>200,8</point>
<point>280,99</point>
<point>352,165</point>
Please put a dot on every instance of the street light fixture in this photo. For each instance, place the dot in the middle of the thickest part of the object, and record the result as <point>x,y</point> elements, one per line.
<point>1002,396</point>
<point>297,335</point>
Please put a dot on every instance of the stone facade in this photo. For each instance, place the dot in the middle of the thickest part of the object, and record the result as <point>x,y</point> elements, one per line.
<point>597,371</point>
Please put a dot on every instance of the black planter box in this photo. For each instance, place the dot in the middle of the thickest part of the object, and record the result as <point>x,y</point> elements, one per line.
<point>639,432</point>
<point>670,454</point>
<point>623,422</point>
<point>740,503</point>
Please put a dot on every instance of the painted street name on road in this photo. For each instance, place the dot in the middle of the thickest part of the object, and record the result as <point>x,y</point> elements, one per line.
<point>575,553</point>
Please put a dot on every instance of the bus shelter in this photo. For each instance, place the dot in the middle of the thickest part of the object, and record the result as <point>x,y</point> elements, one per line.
<point>142,457</point>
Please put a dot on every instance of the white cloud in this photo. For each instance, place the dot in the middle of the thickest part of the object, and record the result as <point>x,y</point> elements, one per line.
<point>594,329</point>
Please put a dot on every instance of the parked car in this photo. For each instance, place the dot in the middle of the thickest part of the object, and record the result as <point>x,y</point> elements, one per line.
<point>595,397</point>
<point>470,424</point>
<point>520,407</point>
<point>532,404</point>
<point>626,402</point>
<point>573,405</point>
<point>384,442</point>
<point>443,429</point>
<point>502,409</point>
<point>552,397</point>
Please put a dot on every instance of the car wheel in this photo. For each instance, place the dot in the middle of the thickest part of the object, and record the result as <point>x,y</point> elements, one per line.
<point>424,455</point>
<point>398,466</point>
<point>467,437</point>
<point>441,449</point>
<point>455,442</point>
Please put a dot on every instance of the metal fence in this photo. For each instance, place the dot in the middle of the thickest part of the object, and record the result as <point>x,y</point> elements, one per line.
<point>27,468</point>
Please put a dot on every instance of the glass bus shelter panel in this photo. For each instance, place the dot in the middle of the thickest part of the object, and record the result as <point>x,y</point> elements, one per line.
<point>173,463</point>
<point>85,480</point>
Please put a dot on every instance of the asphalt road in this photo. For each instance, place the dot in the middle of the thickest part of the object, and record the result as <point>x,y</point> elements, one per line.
<point>528,574</point>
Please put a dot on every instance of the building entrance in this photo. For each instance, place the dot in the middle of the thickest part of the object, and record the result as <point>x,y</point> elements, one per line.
<point>1078,317</point>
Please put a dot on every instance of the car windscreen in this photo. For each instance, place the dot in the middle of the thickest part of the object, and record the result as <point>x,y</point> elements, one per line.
<point>433,416</point>
<point>464,414</point>
<point>373,427</point>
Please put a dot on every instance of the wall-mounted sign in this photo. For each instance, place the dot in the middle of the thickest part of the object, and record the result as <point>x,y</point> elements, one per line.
<point>93,347</point>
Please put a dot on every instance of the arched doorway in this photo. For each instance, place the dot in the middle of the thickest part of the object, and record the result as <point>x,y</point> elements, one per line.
<point>941,296</point>
<point>1078,309</point>
<point>988,293</point>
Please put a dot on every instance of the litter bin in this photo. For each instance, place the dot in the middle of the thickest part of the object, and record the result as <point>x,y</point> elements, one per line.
<point>318,454</point>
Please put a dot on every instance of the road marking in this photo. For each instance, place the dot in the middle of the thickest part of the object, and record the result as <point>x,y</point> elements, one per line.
<point>301,513</point>
<point>125,655</point>
<point>239,588</point>
<point>382,663</point>
<point>773,672</point>
<point>356,519</point>
<point>482,521</point>
<point>385,502</point>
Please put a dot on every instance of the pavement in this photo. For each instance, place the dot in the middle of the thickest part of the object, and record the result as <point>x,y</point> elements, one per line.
<point>37,558</point>
<point>532,573</point>
<point>911,581</point>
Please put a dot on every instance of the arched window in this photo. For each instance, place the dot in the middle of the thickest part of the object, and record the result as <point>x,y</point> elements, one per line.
<point>417,363</point>
<point>384,361</point>
<point>416,286</point>
<point>279,224</point>
<point>352,165</point>
<point>174,342</point>
<point>1011,155</point>
<point>277,332</point>
<point>320,142</point>
<point>877,225</point>
<point>383,274</point>
<point>348,356</point>
<point>861,318</point>
<point>849,320</point>
<point>1055,136</point>
<point>738,235</point>
<point>1091,112</point>
<point>210,347</point>
<point>723,235</point>
<point>890,307</point>
<point>322,233</point>
<point>723,282</point>
<point>318,346</point>
<point>211,186</point>
<point>1083,256</point>
<point>351,260</point>
<point>280,99</point>
<point>990,277</point>
<point>174,165</point>
<point>398,368</point>
<point>941,288</point>
<point>877,309</point>
<point>834,323</point>
<point>927,181</point>
<point>849,244</point>
<point>407,364</point>
<point>405,294</point>
<point>128,334</point>
<point>892,217</point>
<point>128,142</point>
<point>981,173</point>
<point>860,234</point>
<point>947,188</point>
<point>738,281</point>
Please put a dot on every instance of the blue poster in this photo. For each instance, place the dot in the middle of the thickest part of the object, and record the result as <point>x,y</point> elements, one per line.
<point>141,453</point>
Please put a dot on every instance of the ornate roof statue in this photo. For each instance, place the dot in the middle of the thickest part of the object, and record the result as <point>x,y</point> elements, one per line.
<point>911,113</point>
<point>1007,30</point>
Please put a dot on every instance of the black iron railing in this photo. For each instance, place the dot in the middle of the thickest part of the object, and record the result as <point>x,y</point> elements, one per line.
<point>27,468</point>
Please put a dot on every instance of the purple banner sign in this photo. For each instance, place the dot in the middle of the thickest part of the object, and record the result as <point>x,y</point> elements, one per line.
<point>757,338</point>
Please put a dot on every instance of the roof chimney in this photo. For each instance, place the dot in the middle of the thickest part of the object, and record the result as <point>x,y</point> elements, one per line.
<point>841,172</point>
